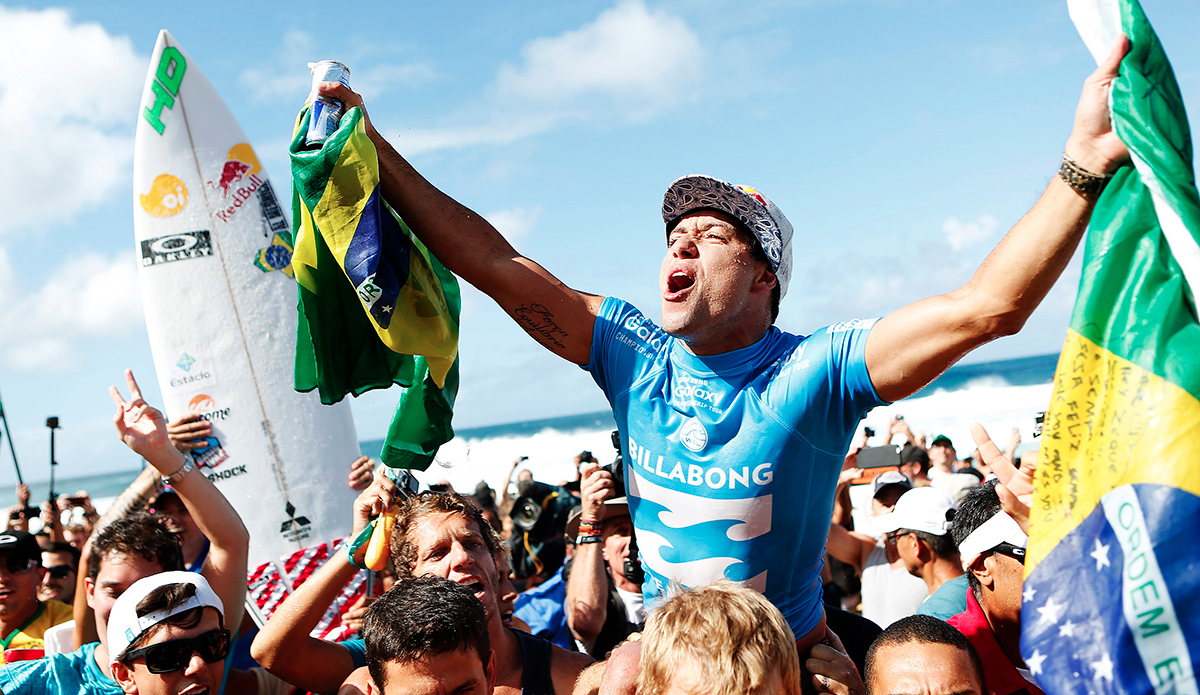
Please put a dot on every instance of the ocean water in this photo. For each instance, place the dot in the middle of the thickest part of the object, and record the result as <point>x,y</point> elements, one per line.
<point>1001,395</point>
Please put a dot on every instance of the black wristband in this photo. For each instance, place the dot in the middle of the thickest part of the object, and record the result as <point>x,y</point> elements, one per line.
<point>1081,180</point>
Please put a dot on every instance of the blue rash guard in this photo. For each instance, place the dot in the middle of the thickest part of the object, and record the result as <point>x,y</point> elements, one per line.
<point>731,460</point>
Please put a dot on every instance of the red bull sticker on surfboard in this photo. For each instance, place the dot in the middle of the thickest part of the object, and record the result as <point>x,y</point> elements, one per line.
<point>237,181</point>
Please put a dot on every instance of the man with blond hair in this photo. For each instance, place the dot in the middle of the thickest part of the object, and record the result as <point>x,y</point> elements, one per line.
<point>721,639</point>
<point>724,639</point>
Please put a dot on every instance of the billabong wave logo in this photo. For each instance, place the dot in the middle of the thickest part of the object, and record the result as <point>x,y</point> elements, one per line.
<point>698,544</point>
<point>167,196</point>
<point>693,435</point>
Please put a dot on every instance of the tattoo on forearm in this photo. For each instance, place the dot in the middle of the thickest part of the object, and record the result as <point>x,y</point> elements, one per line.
<point>125,504</point>
<point>537,320</point>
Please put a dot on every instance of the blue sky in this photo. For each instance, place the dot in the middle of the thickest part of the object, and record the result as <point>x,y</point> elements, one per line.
<point>901,138</point>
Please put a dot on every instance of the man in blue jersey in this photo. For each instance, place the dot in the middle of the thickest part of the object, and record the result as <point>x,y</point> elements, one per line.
<point>734,431</point>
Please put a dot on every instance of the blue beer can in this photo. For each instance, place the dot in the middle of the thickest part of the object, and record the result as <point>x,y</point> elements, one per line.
<point>325,113</point>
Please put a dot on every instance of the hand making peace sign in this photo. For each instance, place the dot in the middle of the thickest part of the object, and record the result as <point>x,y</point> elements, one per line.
<point>143,428</point>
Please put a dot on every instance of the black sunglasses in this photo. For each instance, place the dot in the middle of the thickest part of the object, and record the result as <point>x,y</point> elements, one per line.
<point>175,654</point>
<point>896,535</point>
<point>59,571</point>
<point>19,565</point>
<point>1012,551</point>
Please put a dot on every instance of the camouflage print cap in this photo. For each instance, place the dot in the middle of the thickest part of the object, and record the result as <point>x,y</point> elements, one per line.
<point>762,217</point>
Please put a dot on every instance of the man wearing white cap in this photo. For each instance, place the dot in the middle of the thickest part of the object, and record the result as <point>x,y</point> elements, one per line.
<point>166,634</point>
<point>889,592</point>
<point>733,431</point>
<point>919,529</point>
<point>992,548</point>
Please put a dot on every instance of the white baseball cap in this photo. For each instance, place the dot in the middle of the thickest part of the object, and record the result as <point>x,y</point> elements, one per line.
<point>124,624</point>
<point>763,218</point>
<point>925,509</point>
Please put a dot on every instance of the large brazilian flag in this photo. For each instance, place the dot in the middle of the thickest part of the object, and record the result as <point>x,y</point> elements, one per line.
<point>1112,592</point>
<point>376,308</point>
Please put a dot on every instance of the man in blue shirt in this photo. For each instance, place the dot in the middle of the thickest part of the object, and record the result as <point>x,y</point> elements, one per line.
<point>733,431</point>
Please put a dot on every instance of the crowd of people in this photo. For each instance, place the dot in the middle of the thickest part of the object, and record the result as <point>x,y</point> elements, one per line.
<point>695,564</point>
<point>454,615</point>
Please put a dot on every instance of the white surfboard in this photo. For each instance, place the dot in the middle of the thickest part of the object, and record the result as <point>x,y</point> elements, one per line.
<point>213,244</point>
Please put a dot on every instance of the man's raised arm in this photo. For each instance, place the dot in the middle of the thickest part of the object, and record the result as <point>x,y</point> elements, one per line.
<point>144,429</point>
<point>555,315</point>
<point>910,347</point>
<point>284,646</point>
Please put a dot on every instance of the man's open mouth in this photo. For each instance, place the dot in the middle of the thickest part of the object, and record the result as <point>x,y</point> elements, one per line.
<point>476,587</point>
<point>678,281</point>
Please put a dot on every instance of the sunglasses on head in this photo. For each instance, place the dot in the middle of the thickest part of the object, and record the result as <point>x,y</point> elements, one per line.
<point>59,571</point>
<point>174,655</point>
<point>19,565</point>
<point>1012,551</point>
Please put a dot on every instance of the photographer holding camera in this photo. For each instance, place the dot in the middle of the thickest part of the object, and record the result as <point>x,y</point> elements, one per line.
<point>604,589</point>
<point>539,520</point>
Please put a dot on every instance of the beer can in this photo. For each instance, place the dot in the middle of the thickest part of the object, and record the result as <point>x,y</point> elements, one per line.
<point>325,113</point>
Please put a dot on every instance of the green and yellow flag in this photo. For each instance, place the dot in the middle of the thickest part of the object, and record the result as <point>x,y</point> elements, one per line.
<point>1112,592</point>
<point>376,308</point>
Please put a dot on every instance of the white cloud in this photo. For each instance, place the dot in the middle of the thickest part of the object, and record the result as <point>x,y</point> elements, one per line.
<point>286,77</point>
<point>643,61</point>
<point>416,141</point>
<point>629,64</point>
<point>873,282</point>
<point>64,109</point>
<point>961,234</point>
<point>514,223</point>
<point>87,297</point>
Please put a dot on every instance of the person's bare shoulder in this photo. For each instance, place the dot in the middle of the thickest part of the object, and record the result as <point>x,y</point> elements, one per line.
<point>565,667</point>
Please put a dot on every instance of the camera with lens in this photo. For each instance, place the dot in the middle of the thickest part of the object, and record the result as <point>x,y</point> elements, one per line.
<point>539,517</point>
<point>633,564</point>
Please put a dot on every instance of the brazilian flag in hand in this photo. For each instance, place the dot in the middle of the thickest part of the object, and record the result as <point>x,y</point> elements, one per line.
<point>376,308</point>
<point>1112,586</point>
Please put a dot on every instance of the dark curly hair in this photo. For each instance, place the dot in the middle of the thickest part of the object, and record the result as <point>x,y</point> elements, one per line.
<point>416,507</point>
<point>146,535</point>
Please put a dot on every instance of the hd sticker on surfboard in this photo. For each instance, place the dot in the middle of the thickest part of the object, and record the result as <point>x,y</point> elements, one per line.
<point>210,234</point>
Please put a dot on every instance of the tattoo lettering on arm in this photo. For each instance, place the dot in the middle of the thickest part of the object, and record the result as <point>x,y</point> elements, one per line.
<point>537,320</point>
<point>136,497</point>
<point>129,503</point>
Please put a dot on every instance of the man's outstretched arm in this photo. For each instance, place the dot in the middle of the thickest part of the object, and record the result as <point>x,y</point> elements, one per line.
<point>555,315</point>
<point>284,646</point>
<point>910,347</point>
<point>144,429</point>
